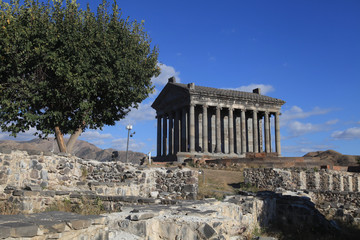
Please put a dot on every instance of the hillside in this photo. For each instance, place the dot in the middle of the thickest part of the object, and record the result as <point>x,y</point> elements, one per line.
<point>335,157</point>
<point>81,149</point>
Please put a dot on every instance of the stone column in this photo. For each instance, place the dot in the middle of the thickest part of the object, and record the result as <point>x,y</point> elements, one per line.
<point>238,133</point>
<point>177,138</point>
<point>270,133</point>
<point>171,135</point>
<point>243,131</point>
<point>277,134</point>
<point>183,131</point>
<point>218,130</point>
<point>231,130</point>
<point>158,135</point>
<point>192,127</point>
<point>261,135</point>
<point>205,129</point>
<point>164,153</point>
<point>255,132</point>
<point>267,131</point>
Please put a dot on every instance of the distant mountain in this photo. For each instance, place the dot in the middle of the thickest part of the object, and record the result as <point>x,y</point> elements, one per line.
<point>82,149</point>
<point>335,157</point>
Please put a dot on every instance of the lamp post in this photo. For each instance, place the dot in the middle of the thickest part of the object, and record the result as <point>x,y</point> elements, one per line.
<point>128,127</point>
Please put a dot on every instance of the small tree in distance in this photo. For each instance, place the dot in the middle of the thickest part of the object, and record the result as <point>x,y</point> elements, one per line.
<point>64,70</point>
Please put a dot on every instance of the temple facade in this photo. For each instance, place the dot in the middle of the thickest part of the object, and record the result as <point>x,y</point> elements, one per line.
<point>203,122</point>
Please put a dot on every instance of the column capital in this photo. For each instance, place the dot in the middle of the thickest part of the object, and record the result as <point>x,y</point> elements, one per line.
<point>192,104</point>
<point>205,106</point>
<point>218,107</point>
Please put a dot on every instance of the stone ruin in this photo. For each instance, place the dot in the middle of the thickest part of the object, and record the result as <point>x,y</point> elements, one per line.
<point>335,193</point>
<point>146,203</point>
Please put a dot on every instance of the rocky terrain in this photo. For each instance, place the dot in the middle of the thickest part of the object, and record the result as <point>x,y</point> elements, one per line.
<point>335,157</point>
<point>82,149</point>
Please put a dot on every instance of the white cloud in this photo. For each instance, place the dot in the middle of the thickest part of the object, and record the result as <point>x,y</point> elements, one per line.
<point>95,135</point>
<point>22,136</point>
<point>134,145</point>
<point>166,73</point>
<point>143,113</point>
<point>297,128</point>
<point>350,133</point>
<point>296,112</point>
<point>332,122</point>
<point>249,88</point>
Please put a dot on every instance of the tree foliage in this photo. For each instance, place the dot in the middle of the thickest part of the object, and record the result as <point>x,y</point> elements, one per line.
<point>63,69</point>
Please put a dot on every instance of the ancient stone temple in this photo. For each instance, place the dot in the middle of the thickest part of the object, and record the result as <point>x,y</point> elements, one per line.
<point>203,122</point>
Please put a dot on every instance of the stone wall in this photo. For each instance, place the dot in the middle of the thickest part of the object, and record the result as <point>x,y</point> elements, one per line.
<point>237,217</point>
<point>302,179</point>
<point>335,193</point>
<point>344,206</point>
<point>30,177</point>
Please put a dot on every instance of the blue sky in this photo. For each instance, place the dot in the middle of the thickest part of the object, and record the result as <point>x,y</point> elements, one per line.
<point>304,52</point>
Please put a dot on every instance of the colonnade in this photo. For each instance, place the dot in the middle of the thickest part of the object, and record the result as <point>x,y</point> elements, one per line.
<point>214,130</point>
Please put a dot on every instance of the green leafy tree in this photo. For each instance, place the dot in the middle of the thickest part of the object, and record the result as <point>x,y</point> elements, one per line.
<point>64,70</point>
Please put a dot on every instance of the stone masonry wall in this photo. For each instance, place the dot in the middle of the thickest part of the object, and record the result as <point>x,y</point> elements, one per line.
<point>43,176</point>
<point>335,193</point>
<point>303,179</point>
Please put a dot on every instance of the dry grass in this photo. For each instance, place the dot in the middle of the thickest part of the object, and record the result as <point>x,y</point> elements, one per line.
<point>218,183</point>
<point>8,208</point>
<point>83,206</point>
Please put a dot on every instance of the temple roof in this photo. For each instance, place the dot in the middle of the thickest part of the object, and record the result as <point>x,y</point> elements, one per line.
<point>229,93</point>
<point>180,94</point>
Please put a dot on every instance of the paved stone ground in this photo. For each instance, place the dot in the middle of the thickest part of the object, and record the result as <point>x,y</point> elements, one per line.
<point>46,223</point>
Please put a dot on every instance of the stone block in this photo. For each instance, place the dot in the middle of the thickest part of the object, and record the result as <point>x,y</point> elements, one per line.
<point>141,216</point>
<point>206,231</point>
<point>21,230</point>
<point>5,232</point>
<point>189,188</point>
<point>191,180</point>
<point>33,188</point>
<point>154,194</point>
<point>34,174</point>
<point>39,167</point>
<point>79,224</point>
<point>18,193</point>
<point>44,184</point>
<point>62,193</point>
<point>131,199</point>
<point>47,193</point>
<point>52,227</point>
<point>75,195</point>
<point>44,175</point>
<point>147,200</point>
<point>99,220</point>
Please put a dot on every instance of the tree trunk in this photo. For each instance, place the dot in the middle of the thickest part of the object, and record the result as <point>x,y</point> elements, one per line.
<point>72,140</point>
<point>60,139</point>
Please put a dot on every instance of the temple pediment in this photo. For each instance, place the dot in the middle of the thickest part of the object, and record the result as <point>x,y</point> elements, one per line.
<point>171,97</point>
